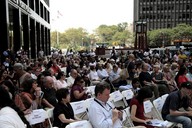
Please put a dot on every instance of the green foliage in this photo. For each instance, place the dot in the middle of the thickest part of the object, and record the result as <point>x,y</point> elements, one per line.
<point>79,38</point>
<point>160,37</point>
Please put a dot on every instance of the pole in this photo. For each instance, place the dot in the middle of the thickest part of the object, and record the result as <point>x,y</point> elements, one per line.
<point>57,37</point>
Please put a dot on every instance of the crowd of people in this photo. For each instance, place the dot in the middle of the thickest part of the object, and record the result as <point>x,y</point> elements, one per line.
<point>57,80</point>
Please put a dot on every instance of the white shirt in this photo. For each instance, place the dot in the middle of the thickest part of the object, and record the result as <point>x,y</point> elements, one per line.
<point>113,76</point>
<point>70,81</point>
<point>10,119</point>
<point>176,57</point>
<point>101,116</point>
<point>93,75</point>
<point>189,76</point>
<point>61,84</point>
<point>102,73</point>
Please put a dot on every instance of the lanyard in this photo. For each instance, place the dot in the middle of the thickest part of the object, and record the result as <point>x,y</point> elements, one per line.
<point>103,106</point>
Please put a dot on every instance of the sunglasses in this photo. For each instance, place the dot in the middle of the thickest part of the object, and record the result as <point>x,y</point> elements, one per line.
<point>82,81</point>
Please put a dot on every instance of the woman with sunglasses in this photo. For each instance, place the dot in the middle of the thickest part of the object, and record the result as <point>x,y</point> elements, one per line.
<point>78,91</point>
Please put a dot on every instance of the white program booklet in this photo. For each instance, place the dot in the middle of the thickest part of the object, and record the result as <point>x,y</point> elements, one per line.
<point>158,123</point>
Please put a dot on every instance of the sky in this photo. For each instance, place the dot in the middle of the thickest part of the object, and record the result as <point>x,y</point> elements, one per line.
<point>89,14</point>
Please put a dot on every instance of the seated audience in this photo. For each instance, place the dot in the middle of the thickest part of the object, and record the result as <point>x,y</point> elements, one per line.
<point>10,115</point>
<point>31,94</point>
<point>176,100</point>
<point>146,80</point>
<point>63,112</point>
<point>60,83</point>
<point>49,99</point>
<point>137,108</point>
<point>102,73</point>
<point>71,78</point>
<point>78,91</point>
<point>159,79</point>
<point>181,76</point>
<point>101,113</point>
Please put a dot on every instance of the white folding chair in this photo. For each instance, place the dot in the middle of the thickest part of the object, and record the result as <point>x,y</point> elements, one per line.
<point>80,124</point>
<point>36,116</point>
<point>150,108</point>
<point>50,117</point>
<point>164,97</point>
<point>127,95</point>
<point>158,104</point>
<point>79,108</point>
<point>117,99</point>
<point>127,117</point>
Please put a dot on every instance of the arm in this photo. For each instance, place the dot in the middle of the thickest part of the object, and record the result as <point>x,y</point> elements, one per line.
<point>63,119</point>
<point>78,95</point>
<point>178,113</point>
<point>47,104</point>
<point>133,113</point>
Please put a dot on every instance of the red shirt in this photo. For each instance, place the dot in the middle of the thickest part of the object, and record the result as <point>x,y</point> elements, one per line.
<point>139,113</point>
<point>181,79</point>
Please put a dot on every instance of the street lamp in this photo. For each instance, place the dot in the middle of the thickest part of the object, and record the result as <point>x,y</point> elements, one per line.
<point>141,35</point>
<point>82,42</point>
<point>163,38</point>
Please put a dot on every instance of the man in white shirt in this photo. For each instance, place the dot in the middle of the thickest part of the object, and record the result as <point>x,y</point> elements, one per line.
<point>102,73</point>
<point>93,76</point>
<point>101,114</point>
<point>73,76</point>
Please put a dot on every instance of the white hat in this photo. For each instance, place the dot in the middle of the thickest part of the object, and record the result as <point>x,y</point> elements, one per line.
<point>112,60</point>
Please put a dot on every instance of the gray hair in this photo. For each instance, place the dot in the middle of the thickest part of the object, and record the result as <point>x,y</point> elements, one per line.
<point>18,66</point>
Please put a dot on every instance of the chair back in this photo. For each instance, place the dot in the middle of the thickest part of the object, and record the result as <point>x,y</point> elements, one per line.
<point>128,94</point>
<point>78,107</point>
<point>80,124</point>
<point>164,97</point>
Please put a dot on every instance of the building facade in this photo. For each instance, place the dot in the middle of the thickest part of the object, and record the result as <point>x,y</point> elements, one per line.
<point>25,24</point>
<point>162,13</point>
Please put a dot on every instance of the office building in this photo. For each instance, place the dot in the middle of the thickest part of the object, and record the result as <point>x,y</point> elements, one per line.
<point>162,13</point>
<point>25,24</point>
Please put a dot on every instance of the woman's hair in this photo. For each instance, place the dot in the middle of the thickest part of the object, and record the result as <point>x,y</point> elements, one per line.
<point>39,79</point>
<point>77,79</point>
<point>62,93</point>
<point>12,89</point>
<point>59,75</point>
<point>181,71</point>
<point>27,85</point>
<point>143,93</point>
<point>5,101</point>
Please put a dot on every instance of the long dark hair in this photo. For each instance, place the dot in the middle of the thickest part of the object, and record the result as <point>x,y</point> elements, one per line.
<point>77,79</point>
<point>12,88</point>
<point>5,101</point>
<point>27,85</point>
<point>143,93</point>
<point>182,70</point>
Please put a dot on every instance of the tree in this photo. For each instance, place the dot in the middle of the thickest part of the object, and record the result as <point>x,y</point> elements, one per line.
<point>75,37</point>
<point>118,34</point>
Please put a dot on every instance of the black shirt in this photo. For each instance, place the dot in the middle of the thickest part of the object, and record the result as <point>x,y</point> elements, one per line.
<point>144,76</point>
<point>174,102</point>
<point>62,109</point>
<point>50,95</point>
